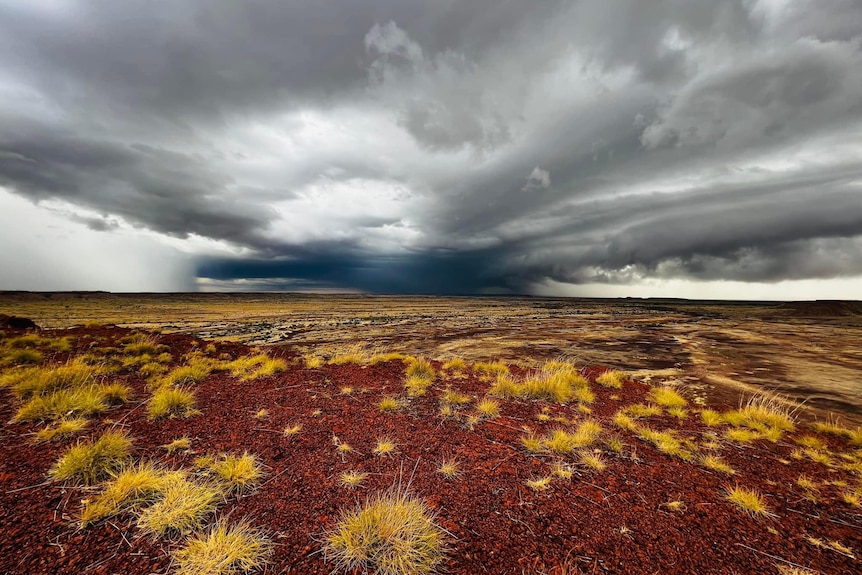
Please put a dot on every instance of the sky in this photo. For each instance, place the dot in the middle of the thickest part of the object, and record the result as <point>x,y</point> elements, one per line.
<point>676,148</point>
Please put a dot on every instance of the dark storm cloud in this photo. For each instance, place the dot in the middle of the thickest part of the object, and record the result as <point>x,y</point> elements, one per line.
<point>449,147</point>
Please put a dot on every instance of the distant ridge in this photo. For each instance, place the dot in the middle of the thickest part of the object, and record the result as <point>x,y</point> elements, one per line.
<point>821,308</point>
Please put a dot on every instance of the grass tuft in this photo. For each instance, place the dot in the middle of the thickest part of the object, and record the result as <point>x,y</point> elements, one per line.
<point>169,401</point>
<point>667,397</point>
<point>747,500</point>
<point>224,550</point>
<point>611,378</point>
<point>181,444</point>
<point>353,479</point>
<point>593,460</point>
<point>710,417</point>
<point>62,429</point>
<point>389,404</point>
<point>236,474</point>
<point>540,484</point>
<point>385,447</point>
<point>450,469</point>
<point>392,533</point>
<point>90,462</point>
<point>183,507</point>
<point>717,464</point>
<point>488,408</point>
<point>129,490</point>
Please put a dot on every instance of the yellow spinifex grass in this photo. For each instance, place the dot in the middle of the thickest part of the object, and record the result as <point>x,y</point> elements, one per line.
<point>562,441</point>
<point>456,364</point>
<point>715,463</point>
<point>63,428</point>
<point>711,417</point>
<point>450,469</point>
<point>252,367</point>
<point>29,382</point>
<point>183,507</point>
<point>385,447</point>
<point>236,474</point>
<point>169,401</point>
<point>353,479</point>
<point>593,461</point>
<point>768,414</point>
<point>128,490</point>
<point>224,550</point>
<point>555,381</point>
<point>91,461</point>
<point>488,408</point>
<point>747,500</point>
<point>180,444</point>
<point>389,404</point>
<point>666,442</point>
<point>612,378</point>
<point>667,397</point>
<point>78,401</point>
<point>392,533</point>
<point>540,483</point>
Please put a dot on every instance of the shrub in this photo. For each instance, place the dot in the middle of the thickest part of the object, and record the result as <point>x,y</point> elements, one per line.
<point>224,550</point>
<point>390,534</point>
<point>169,401</point>
<point>90,462</point>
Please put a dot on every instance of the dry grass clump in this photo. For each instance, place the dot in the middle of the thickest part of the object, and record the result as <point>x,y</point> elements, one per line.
<point>711,417</point>
<point>834,428</point>
<point>640,410</point>
<point>252,367</point>
<point>741,435</point>
<point>456,364</point>
<point>292,430</point>
<point>183,507</point>
<point>748,500</point>
<point>224,550</point>
<point>450,469</point>
<point>129,490</point>
<point>140,344</point>
<point>715,463</point>
<point>766,413</point>
<point>30,382</point>
<point>561,471</point>
<point>420,376</point>
<point>555,381</point>
<point>488,408</point>
<point>454,398</point>
<point>385,447</point>
<point>62,429</point>
<point>236,474</point>
<point>91,461</point>
<point>169,401</point>
<point>593,461</point>
<point>811,441</point>
<point>389,404</point>
<point>667,397</point>
<point>392,533</point>
<point>197,369</point>
<point>181,444</point>
<point>79,401</point>
<point>562,441</point>
<point>353,479</point>
<point>495,368</point>
<point>21,357</point>
<point>312,360</point>
<point>611,378</point>
<point>540,483</point>
<point>666,442</point>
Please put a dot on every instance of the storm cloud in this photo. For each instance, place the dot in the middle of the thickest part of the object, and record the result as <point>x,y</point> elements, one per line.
<point>483,146</point>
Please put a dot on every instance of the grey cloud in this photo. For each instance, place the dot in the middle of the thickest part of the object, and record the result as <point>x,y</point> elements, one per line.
<point>594,141</point>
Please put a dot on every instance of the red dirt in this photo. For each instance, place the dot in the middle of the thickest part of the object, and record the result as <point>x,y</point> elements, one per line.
<point>610,522</point>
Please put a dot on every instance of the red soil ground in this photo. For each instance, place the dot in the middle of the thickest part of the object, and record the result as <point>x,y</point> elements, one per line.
<point>615,521</point>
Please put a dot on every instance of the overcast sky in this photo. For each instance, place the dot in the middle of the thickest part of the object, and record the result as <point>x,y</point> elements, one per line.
<point>689,148</point>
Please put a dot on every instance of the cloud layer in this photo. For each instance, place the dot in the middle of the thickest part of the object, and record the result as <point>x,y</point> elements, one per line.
<point>443,147</point>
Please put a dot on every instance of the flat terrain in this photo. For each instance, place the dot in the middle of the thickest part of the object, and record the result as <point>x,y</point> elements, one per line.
<point>581,436</point>
<point>808,351</point>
